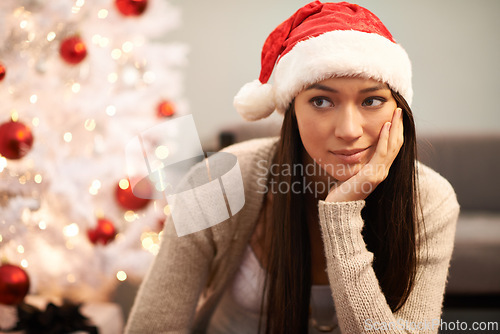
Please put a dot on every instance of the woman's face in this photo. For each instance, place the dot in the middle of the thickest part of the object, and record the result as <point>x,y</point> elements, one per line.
<point>339,121</point>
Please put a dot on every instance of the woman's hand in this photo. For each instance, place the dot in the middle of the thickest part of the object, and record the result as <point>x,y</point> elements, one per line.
<point>362,184</point>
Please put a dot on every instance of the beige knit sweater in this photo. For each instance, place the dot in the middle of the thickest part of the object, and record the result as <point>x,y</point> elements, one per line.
<point>190,273</point>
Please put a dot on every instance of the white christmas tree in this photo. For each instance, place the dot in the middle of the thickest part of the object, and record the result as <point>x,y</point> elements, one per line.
<point>82,78</point>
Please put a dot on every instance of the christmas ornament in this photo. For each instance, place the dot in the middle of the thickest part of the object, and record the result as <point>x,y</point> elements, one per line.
<point>131,7</point>
<point>15,140</point>
<point>165,109</point>
<point>103,233</point>
<point>3,71</point>
<point>128,200</point>
<point>14,284</point>
<point>73,50</point>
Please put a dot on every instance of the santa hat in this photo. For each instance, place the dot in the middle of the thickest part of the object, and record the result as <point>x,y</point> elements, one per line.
<point>320,41</point>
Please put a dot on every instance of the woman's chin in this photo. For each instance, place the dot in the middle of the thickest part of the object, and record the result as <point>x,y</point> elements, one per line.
<point>342,172</point>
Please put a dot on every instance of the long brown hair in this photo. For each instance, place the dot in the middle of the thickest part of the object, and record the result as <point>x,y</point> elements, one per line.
<point>390,217</point>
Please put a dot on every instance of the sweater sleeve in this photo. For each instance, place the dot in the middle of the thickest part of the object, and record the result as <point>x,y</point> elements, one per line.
<point>167,299</point>
<point>359,301</point>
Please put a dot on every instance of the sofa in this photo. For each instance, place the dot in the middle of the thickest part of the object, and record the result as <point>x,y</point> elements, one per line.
<point>471,164</point>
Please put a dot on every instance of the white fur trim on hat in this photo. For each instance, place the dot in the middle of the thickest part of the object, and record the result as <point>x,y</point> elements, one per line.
<point>255,100</point>
<point>341,53</point>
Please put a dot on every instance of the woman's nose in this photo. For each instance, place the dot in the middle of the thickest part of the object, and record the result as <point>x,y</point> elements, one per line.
<point>348,125</point>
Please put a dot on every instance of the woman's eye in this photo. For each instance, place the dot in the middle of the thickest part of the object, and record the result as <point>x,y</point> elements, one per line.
<point>321,102</point>
<point>373,102</point>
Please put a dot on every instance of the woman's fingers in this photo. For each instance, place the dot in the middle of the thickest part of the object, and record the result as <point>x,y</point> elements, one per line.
<point>383,141</point>
<point>388,146</point>
<point>390,141</point>
<point>396,132</point>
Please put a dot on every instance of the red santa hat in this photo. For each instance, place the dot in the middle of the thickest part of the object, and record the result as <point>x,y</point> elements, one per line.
<point>320,41</point>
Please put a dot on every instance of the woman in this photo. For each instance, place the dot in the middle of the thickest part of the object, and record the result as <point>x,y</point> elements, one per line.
<point>342,231</point>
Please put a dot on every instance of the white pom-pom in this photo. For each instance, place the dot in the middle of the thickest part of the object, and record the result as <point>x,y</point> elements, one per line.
<point>255,101</point>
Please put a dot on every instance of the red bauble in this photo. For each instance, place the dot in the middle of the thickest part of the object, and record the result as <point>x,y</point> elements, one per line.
<point>14,284</point>
<point>73,50</point>
<point>15,140</point>
<point>126,198</point>
<point>103,233</point>
<point>131,7</point>
<point>165,109</point>
<point>3,71</point>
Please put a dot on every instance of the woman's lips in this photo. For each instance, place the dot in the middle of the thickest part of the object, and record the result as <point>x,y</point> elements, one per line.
<point>350,156</point>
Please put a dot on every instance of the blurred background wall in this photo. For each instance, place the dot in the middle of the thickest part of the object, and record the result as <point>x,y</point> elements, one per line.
<point>453,45</point>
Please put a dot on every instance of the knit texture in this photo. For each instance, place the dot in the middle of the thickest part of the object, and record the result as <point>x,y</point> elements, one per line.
<point>190,273</point>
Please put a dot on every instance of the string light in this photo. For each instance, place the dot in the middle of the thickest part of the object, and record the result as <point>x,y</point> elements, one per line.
<point>14,116</point>
<point>161,152</point>
<point>128,46</point>
<point>38,178</point>
<point>121,276</point>
<point>33,98</point>
<point>102,14</point>
<point>24,263</point>
<point>150,241</point>
<point>90,124</point>
<point>123,184</point>
<point>130,75</point>
<point>35,121</point>
<point>94,187</point>
<point>68,137</point>
<point>154,249</point>
<point>42,225</point>
<point>100,40</point>
<point>51,36</point>
<point>78,5</point>
<point>116,54</point>
<point>75,87</point>
<point>130,216</point>
<point>110,110</point>
<point>147,242</point>
<point>71,230</point>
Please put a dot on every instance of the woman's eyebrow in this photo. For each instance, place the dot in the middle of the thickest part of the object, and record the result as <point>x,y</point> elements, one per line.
<point>322,87</point>
<point>332,90</point>
<point>374,88</point>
